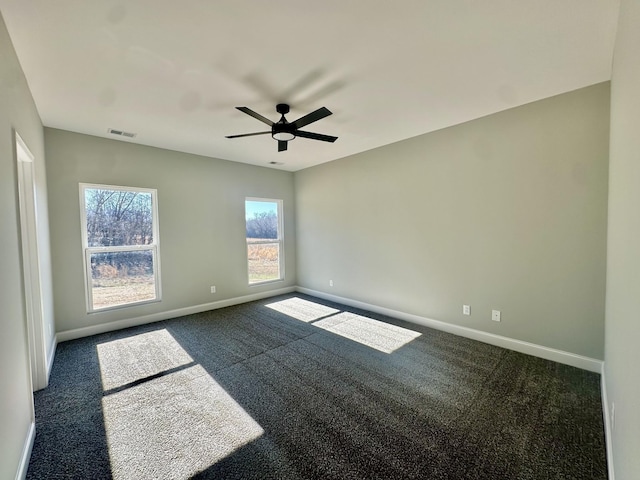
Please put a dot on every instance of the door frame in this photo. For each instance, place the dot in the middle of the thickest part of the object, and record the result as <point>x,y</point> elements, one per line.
<point>31,268</point>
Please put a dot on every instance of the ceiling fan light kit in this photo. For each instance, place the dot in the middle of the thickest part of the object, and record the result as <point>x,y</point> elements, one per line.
<point>283,136</point>
<point>284,131</point>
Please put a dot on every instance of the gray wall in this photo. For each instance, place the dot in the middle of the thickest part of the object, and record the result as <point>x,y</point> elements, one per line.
<point>506,212</point>
<point>622,349</point>
<point>201,220</point>
<point>18,113</point>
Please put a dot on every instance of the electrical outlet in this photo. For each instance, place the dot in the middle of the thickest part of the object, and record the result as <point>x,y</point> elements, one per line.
<point>213,289</point>
<point>495,315</point>
<point>466,309</point>
<point>331,283</point>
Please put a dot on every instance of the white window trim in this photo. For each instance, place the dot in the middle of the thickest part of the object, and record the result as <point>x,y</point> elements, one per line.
<point>87,250</point>
<point>279,240</point>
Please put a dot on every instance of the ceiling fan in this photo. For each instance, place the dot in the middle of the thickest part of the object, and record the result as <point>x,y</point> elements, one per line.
<point>284,131</point>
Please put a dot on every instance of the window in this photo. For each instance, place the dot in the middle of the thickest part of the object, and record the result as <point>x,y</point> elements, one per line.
<point>120,241</point>
<point>264,240</point>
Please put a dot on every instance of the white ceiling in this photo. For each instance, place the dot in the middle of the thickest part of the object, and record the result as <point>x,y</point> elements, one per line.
<point>173,71</point>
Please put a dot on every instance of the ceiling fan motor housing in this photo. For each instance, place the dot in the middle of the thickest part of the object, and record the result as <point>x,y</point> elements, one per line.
<point>283,130</point>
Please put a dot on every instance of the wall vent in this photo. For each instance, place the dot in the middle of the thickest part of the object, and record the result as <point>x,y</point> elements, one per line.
<point>121,133</point>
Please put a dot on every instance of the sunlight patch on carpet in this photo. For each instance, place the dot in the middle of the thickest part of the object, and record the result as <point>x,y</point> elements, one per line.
<point>367,331</point>
<point>131,359</point>
<point>302,310</point>
<point>174,426</point>
<point>373,333</point>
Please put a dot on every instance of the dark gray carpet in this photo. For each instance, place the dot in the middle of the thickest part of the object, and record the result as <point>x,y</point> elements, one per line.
<point>293,387</point>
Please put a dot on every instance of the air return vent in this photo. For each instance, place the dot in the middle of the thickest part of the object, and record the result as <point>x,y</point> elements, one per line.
<point>121,133</point>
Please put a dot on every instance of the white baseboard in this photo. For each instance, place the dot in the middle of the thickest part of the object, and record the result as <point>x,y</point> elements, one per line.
<point>608,426</point>
<point>555,355</point>
<point>156,317</point>
<point>547,353</point>
<point>52,355</point>
<point>26,453</point>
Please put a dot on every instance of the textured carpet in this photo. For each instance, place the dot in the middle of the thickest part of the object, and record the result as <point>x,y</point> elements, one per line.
<point>294,387</point>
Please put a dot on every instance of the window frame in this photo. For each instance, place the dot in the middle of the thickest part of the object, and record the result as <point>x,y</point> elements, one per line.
<point>87,251</point>
<point>279,240</point>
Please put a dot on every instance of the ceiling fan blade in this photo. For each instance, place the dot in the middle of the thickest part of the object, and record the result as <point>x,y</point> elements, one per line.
<point>316,136</point>
<point>247,134</point>
<point>255,115</point>
<point>311,117</point>
<point>282,145</point>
